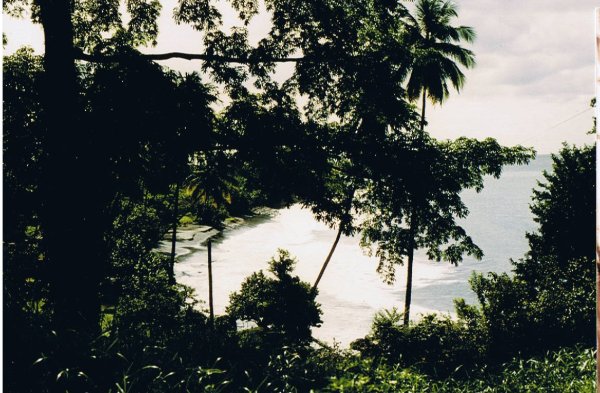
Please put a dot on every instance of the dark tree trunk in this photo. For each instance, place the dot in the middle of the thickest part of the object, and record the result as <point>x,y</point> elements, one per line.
<point>174,234</point>
<point>423,103</point>
<point>409,267</point>
<point>210,286</point>
<point>331,251</point>
<point>72,204</point>
<point>414,212</point>
<point>409,272</point>
<point>343,221</point>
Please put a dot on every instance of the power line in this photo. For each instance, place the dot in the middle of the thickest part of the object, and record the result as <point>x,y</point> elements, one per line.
<point>568,119</point>
<point>535,135</point>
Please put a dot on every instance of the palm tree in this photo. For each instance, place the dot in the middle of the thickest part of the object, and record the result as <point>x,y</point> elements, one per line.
<point>212,180</point>
<point>436,52</point>
<point>436,61</point>
<point>194,121</point>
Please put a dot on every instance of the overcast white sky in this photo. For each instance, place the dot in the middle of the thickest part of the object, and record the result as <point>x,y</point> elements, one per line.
<point>532,84</point>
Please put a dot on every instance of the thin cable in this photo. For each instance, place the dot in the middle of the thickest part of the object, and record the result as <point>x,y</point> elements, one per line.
<point>535,135</point>
<point>570,118</point>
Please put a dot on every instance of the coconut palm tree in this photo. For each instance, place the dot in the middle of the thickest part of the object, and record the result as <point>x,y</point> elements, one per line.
<point>194,119</point>
<point>212,180</point>
<point>436,66</point>
<point>437,54</point>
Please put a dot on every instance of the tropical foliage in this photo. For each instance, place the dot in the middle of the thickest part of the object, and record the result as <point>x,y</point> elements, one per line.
<point>105,150</point>
<point>545,304</point>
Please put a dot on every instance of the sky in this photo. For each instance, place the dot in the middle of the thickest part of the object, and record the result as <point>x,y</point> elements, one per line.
<point>532,84</point>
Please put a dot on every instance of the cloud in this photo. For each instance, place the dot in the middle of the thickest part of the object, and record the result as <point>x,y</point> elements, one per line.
<point>534,67</point>
<point>534,70</point>
<point>523,45</point>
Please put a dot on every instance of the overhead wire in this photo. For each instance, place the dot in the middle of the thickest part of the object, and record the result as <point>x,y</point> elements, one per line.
<point>535,135</point>
<point>569,119</point>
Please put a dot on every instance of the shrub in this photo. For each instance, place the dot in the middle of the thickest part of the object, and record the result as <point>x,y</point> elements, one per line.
<point>436,345</point>
<point>523,320</point>
<point>280,304</point>
<point>186,220</point>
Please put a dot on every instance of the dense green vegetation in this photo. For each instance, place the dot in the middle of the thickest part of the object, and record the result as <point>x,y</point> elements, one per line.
<point>547,302</point>
<point>105,151</point>
<point>563,371</point>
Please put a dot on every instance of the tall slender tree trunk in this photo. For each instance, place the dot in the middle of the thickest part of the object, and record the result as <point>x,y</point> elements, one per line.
<point>409,272</point>
<point>211,308</point>
<point>174,234</point>
<point>72,204</point>
<point>337,237</point>
<point>331,251</point>
<point>414,212</point>
<point>423,104</point>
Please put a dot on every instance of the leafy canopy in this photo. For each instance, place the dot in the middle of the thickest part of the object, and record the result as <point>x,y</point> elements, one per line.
<point>422,185</point>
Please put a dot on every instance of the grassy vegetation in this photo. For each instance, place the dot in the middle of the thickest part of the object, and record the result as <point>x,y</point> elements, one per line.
<point>564,371</point>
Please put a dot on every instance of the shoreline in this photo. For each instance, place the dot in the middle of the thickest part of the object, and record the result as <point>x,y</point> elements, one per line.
<point>193,237</point>
<point>347,314</point>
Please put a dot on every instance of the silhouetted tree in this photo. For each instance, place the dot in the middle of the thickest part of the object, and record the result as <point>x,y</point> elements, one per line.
<point>419,207</point>
<point>436,52</point>
<point>549,300</point>
<point>433,40</point>
<point>282,304</point>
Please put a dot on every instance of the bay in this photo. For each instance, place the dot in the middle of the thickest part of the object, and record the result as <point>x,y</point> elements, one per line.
<point>351,291</point>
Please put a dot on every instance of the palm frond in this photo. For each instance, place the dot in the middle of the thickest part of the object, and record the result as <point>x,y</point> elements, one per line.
<point>437,55</point>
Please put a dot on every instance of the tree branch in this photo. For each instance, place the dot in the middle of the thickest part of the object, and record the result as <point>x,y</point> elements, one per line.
<point>98,58</point>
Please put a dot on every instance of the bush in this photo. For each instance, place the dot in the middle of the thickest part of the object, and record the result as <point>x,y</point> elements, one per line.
<point>186,220</point>
<point>519,319</point>
<point>280,304</point>
<point>436,345</point>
